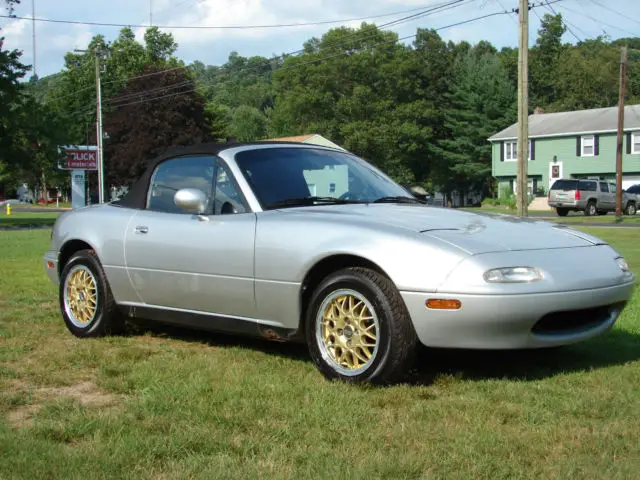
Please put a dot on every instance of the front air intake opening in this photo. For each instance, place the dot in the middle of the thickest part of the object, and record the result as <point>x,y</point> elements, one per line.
<point>574,321</point>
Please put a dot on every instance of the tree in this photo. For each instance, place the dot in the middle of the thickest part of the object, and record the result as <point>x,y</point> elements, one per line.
<point>248,124</point>
<point>545,56</point>
<point>38,135</point>
<point>482,101</point>
<point>11,97</point>
<point>74,93</point>
<point>145,125</point>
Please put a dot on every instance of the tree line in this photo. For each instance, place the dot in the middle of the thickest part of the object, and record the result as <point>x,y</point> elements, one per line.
<point>421,111</point>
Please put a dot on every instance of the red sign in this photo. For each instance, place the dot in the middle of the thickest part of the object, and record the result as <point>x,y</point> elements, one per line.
<point>81,160</point>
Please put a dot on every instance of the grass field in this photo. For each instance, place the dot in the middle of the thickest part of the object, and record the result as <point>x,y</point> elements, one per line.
<point>572,217</point>
<point>176,404</point>
<point>28,218</point>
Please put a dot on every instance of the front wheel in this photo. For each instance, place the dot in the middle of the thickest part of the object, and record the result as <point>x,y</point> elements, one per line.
<point>86,302</point>
<point>358,328</point>
<point>631,209</point>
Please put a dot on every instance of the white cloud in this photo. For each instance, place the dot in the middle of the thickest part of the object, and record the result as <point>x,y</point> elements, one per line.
<point>213,46</point>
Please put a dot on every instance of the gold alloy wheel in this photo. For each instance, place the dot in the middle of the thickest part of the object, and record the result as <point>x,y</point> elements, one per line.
<point>347,331</point>
<point>80,296</point>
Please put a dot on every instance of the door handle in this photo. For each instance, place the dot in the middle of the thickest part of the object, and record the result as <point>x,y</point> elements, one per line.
<point>142,229</point>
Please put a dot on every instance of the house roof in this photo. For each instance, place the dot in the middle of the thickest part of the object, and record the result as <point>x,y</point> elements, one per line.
<point>297,138</point>
<point>597,120</point>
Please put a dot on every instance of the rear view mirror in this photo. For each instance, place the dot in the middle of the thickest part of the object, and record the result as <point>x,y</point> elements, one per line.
<point>191,200</point>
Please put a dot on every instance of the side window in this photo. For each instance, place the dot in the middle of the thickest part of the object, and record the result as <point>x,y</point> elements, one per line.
<point>228,198</point>
<point>612,187</point>
<point>604,187</point>
<point>172,175</point>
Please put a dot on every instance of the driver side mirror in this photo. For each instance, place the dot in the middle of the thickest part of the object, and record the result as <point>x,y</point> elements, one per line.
<point>192,200</point>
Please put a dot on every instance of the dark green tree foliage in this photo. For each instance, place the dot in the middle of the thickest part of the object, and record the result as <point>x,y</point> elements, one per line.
<point>140,131</point>
<point>544,58</point>
<point>482,101</point>
<point>75,95</point>
<point>12,70</point>
<point>248,124</point>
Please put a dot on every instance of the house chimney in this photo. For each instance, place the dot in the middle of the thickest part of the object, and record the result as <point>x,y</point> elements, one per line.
<point>538,111</point>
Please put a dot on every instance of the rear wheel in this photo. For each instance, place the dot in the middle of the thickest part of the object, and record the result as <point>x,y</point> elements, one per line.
<point>86,302</point>
<point>631,209</point>
<point>562,212</point>
<point>358,328</point>
<point>591,209</point>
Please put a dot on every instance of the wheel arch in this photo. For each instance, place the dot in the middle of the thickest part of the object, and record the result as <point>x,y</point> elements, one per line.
<point>68,249</point>
<point>324,267</point>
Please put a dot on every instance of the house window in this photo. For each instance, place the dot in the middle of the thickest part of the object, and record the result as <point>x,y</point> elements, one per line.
<point>635,142</point>
<point>332,188</point>
<point>511,151</point>
<point>588,146</point>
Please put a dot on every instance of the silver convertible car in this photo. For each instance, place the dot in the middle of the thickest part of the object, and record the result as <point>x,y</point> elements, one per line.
<point>297,242</point>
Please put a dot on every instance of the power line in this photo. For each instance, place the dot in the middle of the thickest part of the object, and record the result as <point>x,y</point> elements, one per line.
<point>561,19</point>
<point>298,65</point>
<point>207,27</point>
<point>548,5</point>
<point>627,17</point>
<point>597,21</point>
<point>441,7</point>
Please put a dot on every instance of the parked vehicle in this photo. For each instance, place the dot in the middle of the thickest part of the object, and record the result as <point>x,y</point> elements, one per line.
<point>593,197</point>
<point>232,238</point>
<point>634,192</point>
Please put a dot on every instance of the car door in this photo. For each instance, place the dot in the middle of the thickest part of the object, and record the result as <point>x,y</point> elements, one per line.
<point>605,198</point>
<point>197,262</point>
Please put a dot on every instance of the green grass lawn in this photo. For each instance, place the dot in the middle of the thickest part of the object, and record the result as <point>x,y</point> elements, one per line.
<point>177,404</point>
<point>27,218</point>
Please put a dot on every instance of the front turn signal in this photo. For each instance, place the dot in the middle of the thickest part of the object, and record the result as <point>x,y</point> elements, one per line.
<point>444,304</point>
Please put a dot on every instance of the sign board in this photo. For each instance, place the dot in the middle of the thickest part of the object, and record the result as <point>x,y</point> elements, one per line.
<point>77,189</point>
<point>79,159</point>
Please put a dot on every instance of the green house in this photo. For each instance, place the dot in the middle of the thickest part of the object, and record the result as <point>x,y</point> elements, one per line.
<point>576,144</point>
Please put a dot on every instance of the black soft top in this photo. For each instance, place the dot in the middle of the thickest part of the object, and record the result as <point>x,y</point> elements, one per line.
<point>136,197</point>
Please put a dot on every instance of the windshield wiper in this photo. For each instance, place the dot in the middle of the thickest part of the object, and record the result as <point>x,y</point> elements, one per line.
<point>305,201</point>
<point>398,199</point>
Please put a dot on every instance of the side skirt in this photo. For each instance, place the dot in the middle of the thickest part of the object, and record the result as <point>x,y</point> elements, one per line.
<point>213,323</point>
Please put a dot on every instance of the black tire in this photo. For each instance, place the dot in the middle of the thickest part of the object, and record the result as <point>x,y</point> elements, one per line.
<point>107,319</point>
<point>591,209</point>
<point>397,338</point>
<point>562,212</point>
<point>631,209</point>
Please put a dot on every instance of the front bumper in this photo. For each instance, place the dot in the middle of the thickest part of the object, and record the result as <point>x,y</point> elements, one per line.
<point>517,321</point>
<point>50,261</point>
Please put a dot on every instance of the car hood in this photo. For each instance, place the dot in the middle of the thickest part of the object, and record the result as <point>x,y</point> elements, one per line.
<point>473,233</point>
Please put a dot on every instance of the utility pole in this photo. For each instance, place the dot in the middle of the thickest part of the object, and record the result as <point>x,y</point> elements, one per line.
<point>523,107</point>
<point>99,129</point>
<point>623,75</point>
<point>33,20</point>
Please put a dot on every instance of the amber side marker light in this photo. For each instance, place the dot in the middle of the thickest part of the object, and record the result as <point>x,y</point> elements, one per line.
<point>443,304</point>
<point>50,265</point>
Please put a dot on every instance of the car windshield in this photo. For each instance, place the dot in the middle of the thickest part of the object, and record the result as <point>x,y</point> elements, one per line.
<point>309,176</point>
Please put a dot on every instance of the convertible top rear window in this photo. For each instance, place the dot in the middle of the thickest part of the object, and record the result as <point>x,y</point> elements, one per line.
<point>565,185</point>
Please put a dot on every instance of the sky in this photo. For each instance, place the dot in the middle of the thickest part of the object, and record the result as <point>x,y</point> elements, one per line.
<point>585,18</point>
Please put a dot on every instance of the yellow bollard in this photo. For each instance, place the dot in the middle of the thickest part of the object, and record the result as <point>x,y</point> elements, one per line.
<point>8,209</point>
